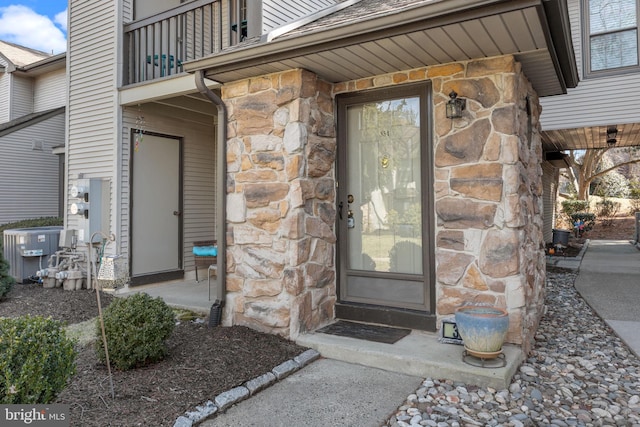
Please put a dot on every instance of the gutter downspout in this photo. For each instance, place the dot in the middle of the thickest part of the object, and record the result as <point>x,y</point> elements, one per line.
<point>221,174</point>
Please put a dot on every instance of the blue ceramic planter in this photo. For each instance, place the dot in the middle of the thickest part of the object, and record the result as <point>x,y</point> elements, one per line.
<point>482,328</point>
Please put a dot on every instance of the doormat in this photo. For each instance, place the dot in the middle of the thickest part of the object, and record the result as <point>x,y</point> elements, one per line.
<point>364,331</point>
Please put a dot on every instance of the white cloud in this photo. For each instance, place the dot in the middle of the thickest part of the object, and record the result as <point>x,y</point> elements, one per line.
<point>23,26</point>
<point>61,19</point>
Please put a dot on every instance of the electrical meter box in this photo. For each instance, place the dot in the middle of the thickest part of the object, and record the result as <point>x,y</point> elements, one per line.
<point>28,250</point>
<point>89,207</point>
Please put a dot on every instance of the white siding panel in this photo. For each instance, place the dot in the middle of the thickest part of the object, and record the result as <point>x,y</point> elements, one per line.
<point>50,91</point>
<point>280,12</point>
<point>199,210</point>
<point>573,7</point>
<point>5,82</point>
<point>92,110</point>
<point>21,97</point>
<point>30,176</point>
<point>595,101</point>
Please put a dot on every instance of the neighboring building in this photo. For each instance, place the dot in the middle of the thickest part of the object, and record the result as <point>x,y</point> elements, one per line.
<point>316,150</point>
<point>33,92</point>
<point>605,41</point>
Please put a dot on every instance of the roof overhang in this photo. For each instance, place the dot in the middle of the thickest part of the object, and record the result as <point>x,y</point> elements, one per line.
<point>590,138</point>
<point>52,63</point>
<point>360,41</point>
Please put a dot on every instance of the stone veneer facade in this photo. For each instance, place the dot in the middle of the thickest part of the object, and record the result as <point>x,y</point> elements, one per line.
<point>281,195</point>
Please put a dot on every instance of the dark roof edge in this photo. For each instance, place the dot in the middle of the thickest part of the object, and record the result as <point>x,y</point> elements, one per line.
<point>55,62</point>
<point>28,120</point>
<point>557,15</point>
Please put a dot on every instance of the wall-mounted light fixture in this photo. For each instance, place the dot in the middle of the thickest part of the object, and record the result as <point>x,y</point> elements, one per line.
<point>455,106</point>
<point>612,133</point>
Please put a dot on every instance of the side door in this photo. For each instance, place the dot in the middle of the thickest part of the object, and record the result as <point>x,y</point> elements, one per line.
<point>156,208</point>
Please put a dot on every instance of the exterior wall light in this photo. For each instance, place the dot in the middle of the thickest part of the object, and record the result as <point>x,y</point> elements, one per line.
<point>612,133</point>
<point>455,106</point>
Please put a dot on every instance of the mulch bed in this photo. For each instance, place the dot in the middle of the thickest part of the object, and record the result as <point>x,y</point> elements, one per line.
<point>202,362</point>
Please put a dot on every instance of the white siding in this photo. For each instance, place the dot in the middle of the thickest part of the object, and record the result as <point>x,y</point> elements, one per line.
<point>5,81</point>
<point>50,91</point>
<point>596,101</point>
<point>199,184</point>
<point>30,176</point>
<point>21,97</point>
<point>280,12</point>
<point>92,104</point>
<point>146,8</point>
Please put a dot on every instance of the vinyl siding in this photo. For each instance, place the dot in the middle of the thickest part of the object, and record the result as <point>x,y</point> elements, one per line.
<point>280,12</point>
<point>199,185</point>
<point>596,101</point>
<point>50,91</point>
<point>92,102</point>
<point>30,186</point>
<point>21,97</point>
<point>550,192</point>
<point>5,79</point>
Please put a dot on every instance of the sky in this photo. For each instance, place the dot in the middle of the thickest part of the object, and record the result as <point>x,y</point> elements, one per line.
<point>37,24</point>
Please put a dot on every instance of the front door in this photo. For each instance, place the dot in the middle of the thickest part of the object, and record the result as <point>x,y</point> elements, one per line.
<point>156,209</point>
<point>384,207</point>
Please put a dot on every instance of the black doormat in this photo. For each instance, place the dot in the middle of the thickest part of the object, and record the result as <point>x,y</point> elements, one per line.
<point>364,331</point>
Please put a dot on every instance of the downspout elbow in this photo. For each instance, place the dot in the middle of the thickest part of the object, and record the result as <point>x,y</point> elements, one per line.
<point>221,173</point>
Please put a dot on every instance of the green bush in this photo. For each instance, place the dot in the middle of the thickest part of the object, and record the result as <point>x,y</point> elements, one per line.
<point>634,196</point>
<point>607,208</point>
<point>571,206</point>
<point>6,281</point>
<point>36,359</point>
<point>29,223</point>
<point>136,328</point>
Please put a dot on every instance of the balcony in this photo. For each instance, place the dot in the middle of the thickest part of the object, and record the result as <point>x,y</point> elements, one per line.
<point>157,46</point>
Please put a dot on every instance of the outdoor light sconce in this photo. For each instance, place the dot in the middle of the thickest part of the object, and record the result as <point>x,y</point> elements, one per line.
<point>612,133</point>
<point>455,106</point>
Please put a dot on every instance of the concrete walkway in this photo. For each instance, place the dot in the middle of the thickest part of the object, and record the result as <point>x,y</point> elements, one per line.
<point>609,280</point>
<point>325,393</point>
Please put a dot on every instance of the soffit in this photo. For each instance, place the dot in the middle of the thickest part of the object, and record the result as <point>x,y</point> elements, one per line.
<point>430,34</point>
<point>590,138</point>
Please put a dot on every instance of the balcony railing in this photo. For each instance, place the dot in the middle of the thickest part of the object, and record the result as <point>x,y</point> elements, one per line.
<point>157,46</point>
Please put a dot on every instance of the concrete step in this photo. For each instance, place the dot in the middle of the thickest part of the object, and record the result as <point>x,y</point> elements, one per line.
<point>419,354</point>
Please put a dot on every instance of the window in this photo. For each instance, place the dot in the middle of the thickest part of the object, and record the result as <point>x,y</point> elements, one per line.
<point>611,36</point>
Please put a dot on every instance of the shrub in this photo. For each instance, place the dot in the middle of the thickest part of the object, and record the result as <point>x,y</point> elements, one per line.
<point>634,196</point>
<point>6,281</point>
<point>35,222</point>
<point>36,359</point>
<point>606,208</point>
<point>404,256</point>
<point>136,328</point>
<point>572,206</point>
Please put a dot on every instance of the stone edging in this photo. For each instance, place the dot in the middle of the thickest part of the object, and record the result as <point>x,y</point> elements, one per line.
<point>230,397</point>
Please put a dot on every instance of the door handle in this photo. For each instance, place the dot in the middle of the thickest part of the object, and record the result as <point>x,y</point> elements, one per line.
<point>340,209</point>
<point>177,213</point>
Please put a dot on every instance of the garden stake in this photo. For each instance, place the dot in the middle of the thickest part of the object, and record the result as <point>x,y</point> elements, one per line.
<point>104,335</point>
